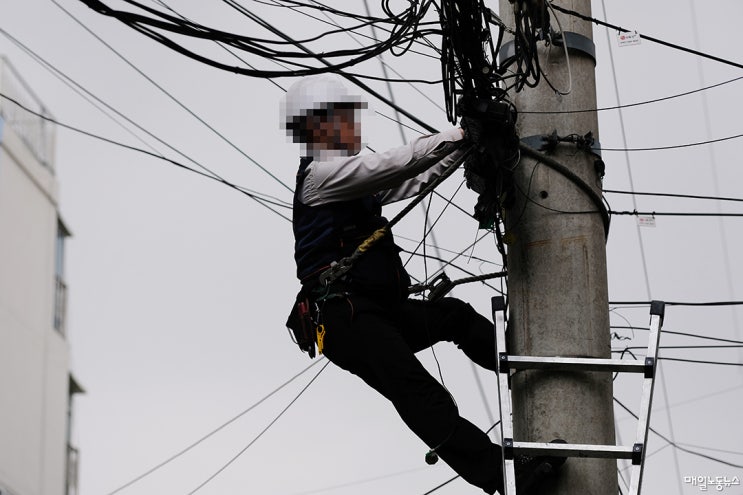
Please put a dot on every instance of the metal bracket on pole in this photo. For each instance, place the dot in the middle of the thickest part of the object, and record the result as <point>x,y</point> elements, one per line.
<point>541,142</point>
<point>576,43</point>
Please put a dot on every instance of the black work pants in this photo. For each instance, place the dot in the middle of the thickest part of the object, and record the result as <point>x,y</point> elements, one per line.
<point>377,340</point>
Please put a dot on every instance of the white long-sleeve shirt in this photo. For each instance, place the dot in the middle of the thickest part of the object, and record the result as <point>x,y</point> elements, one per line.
<point>396,174</point>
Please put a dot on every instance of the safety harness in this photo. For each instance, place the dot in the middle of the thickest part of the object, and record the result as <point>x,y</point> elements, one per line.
<point>339,268</point>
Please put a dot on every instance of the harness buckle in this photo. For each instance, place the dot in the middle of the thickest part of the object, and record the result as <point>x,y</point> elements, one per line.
<point>337,270</point>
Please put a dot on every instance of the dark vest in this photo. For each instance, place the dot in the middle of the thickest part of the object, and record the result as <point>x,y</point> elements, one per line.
<point>326,233</point>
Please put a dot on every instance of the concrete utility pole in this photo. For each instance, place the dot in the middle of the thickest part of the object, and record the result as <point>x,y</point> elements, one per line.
<point>557,288</point>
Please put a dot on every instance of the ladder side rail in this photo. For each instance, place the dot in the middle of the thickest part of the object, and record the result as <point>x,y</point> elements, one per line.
<point>657,310</point>
<point>504,396</point>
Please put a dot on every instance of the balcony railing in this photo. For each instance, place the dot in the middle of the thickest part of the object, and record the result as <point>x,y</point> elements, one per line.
<point>38,134</point>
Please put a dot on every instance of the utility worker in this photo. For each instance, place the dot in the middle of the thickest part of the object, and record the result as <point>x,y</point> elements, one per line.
<point>368,325</point>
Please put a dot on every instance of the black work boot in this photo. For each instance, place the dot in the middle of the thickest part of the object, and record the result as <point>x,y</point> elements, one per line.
<point>531,472</point>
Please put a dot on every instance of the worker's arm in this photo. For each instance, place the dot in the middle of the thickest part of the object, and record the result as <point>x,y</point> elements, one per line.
<point>397,173</point>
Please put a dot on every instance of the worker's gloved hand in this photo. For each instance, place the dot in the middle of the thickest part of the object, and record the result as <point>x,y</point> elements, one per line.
<point>491,125</point>
<point>472,129</point>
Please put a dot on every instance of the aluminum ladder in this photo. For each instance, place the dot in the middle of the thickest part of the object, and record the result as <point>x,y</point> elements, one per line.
<point>507,363</point>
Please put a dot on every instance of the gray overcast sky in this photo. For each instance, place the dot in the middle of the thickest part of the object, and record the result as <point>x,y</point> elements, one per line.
<point>179,286</point>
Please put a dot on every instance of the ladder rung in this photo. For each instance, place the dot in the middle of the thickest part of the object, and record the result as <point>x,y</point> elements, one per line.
<point>571,364</point>
<point>575,450</point>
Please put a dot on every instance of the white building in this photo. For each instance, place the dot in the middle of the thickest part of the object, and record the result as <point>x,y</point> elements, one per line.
<point>36,387</point>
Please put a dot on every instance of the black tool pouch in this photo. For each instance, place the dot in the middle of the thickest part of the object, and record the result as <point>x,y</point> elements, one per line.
<point>302,325</point>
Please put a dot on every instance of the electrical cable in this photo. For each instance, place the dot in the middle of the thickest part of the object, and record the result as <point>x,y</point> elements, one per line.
<point>674,214</point>
<point>725,451</point>
<point>674,146</point>
<point>450,251</point>
<point>213,432</point>
<point>88,96</point>
<point>321,59</point>
<point>172,98</point>
<point>262,201</point>
<point>705,396</point>
<point>373,26</point>
<point>677,446</point>
<point>647,37</point>
<point>566,52</point>
<point>698,361</point>
<point>677,303</point>
<point>631,105</point>
<point>451,262</point>
<point>684,334</point>
<point>96,102</point>
<point>406,28</point>
<point>472,278</point>
<point>722,227</point>
<point>429,492</point>
<point>574,178</point>
<point>221,45</point>
<point>350,484</point>
<point>722,346</point>
<point>429,229</point>
<point>666,358</point>
<point>673,195</point>
<point>262,432</point>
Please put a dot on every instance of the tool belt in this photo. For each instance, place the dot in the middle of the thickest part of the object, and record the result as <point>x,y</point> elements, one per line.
<point>305,319</point>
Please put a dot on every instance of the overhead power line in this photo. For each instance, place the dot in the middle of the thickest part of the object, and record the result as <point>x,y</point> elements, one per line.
<point>246,12</point>
<point>676,445</point>
<point>96,101</point>
<point>676,146</point>
<point>214,431</point>
<point>676,303</point>
<point>262,201</point>
<point>262,432</point>
<point>647,37</point>
<point>673,195</point>
<point>698,361</point>
<point>675,214</point>
<point>683,334</point>
<point>637,104</point>
<point>173,98</point>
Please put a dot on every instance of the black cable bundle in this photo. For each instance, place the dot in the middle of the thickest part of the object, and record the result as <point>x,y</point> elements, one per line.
<point>403,29</point>
<point>468,54</point>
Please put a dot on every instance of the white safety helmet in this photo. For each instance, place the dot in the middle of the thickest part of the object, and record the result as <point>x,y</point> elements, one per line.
<point>314,93</point>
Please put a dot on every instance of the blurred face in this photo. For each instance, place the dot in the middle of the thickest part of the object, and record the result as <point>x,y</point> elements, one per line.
<point>335,128</point>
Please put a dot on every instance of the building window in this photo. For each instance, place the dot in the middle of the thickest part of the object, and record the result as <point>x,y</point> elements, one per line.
<point>60,287</point>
